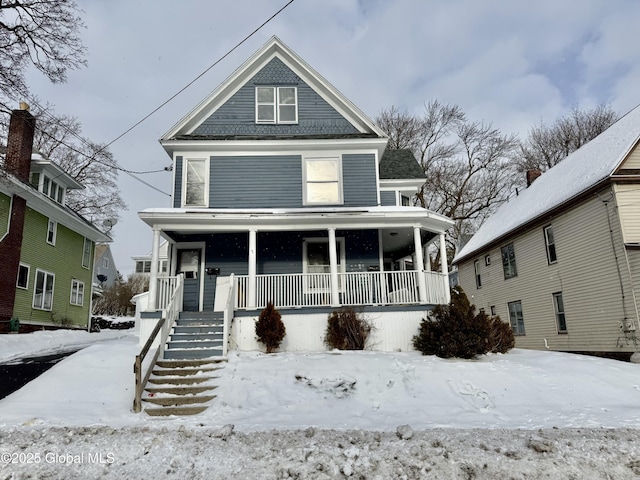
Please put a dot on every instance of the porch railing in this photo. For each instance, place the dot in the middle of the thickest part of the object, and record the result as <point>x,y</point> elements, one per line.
<point>163,327</point>
<point>355,288</point>
<point>165,288</point>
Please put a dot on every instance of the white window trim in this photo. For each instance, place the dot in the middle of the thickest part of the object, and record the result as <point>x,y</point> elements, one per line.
<point>26,287</point>
<point>207,174</point>
<point>54,230</point>
<point>557,312</point>
<point>53,287</point>
<point>547,245</point>
<point>84,249</point>
<point>342,260</point>
<point>338,159</point>
<point>77,284</point>
<point>516,330</point>
<point>276,105</point>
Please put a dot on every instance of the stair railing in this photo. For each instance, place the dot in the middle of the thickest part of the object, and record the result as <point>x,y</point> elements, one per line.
<point>228,314</point>
<point>169,317</point>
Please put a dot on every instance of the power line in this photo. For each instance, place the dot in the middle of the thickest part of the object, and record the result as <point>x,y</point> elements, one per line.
<point>199,76</point>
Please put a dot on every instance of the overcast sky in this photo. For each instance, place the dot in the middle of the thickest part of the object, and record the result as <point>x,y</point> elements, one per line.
<point>512,63</point>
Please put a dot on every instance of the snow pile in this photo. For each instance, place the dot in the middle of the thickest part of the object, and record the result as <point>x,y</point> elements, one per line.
<point>526,414</point>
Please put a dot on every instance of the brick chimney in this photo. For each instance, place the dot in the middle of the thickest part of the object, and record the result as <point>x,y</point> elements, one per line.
<point>532,174</point>
<point>20,143</point>
<point>18,164</point>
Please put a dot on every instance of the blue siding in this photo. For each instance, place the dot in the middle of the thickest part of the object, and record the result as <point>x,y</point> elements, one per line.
<point>359,180</point>
<point>256,182</point>
<point>177,188</point>
<point>388,199</point>
<point>237,115</point>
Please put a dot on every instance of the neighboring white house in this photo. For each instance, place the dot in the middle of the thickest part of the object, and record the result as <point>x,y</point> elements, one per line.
<point>143,262</point>
<point>282,194</point>
<point>561,261</point>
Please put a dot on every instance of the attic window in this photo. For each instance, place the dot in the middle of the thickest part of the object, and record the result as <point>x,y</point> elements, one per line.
<point>276,105</point>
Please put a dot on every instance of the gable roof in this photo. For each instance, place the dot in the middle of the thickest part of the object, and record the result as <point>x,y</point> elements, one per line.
<point>274,48</point>
<point>582,170</point>
<point>399,164</point>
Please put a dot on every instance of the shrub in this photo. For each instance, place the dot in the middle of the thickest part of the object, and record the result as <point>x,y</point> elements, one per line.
<point>502,339</point>
<point>455,330</point>
<point>347,330</point>
<point>270,328</point>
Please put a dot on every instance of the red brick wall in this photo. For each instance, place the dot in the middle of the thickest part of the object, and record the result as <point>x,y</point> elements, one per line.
<point>18,163</point>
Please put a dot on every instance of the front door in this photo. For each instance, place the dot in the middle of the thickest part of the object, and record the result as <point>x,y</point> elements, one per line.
<point>189,266</point>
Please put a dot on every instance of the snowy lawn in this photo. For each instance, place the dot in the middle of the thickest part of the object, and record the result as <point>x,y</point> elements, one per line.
<point>526,414</point>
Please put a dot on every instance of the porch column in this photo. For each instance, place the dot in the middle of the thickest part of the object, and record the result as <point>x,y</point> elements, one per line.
<point>253,260</point>
<point>333,262</point>
<point>153,272</point>
<point>422,284</point>
<point>443,255</point>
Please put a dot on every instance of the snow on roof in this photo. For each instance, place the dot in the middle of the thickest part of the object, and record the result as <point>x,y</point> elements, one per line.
<point>581,170</point>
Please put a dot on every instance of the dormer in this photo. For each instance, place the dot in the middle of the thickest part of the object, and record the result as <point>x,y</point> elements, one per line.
<point>49,179</point>
<point>401,178</point>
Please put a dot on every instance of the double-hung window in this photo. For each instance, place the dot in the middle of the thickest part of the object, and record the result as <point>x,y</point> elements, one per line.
<point>516,318</point>
<point>508,261</point>
<point>43,291</point>
<point>77,292</point>
<point>476,270</point>
<point>86,253</point>
<point>550,243</point>
<point>558,306</point>
<point>196,182</point>
<point>23,276</point>
<point>52,228</point>
<point>276,105</point>
<point>316,262</point>
<point>322,181</point>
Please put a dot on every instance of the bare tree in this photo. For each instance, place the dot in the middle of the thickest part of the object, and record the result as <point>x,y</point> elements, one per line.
<point>39,33</point>
<point>547,145</point>
<point>467,164</point>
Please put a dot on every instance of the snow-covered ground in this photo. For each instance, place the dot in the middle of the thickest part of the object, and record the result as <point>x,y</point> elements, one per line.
<point>328,415</point>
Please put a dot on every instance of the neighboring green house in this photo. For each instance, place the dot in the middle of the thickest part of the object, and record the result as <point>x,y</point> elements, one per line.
<point>46,249</point>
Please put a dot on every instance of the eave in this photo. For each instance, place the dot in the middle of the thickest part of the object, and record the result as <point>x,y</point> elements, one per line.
<point>218,220</point>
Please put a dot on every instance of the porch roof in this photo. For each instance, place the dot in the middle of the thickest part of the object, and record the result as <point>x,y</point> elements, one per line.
<point>262,219</point>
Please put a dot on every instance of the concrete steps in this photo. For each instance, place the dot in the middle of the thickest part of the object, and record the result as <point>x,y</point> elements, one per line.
<point>181,387</point>
<point>196,335</point>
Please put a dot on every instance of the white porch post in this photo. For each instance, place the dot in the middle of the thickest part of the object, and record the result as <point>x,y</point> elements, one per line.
<point>444,267</point>
<point>153,272</point>
<point>422,283</point>
<point>253,260</point>
<point>443,255</point>
<point>333,262</point>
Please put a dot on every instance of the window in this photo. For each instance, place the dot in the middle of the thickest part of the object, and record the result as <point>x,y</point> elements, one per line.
<point>322,185</point>
<point>52,228</point>
<point>476,269</point>
<point>550,244</point>
<point>195,187</point>
<point>162,268</point>
<point>405,201</point>
<point>558,306</point>
<point>77,292</point>
<point>23,276</point>
<point>143,266</point>
<point>105,262</point>
<point>487,260</point>
<point>516,318</point>
<point>276,105</point>
<point>315,259</point>
<point>509,261</point>
<point>43,292</point>
<point>86,253</point>
<point>493,310</point>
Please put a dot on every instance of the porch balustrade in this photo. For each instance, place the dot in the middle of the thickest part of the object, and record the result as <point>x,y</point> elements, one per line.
<point>166,286</point>
<point>355,288</point>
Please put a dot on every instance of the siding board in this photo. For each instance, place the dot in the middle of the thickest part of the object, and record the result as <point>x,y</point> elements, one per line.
<point>586,273</point>
<point>628,201</point>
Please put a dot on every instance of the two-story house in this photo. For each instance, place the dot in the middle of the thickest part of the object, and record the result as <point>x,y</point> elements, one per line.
<point>282,192</point>
<point>561,261</point>
<point>46,249</point>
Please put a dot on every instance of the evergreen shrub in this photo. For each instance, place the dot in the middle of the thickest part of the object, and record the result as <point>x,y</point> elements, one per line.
<point>455,330</point>
<point>269,328</point>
